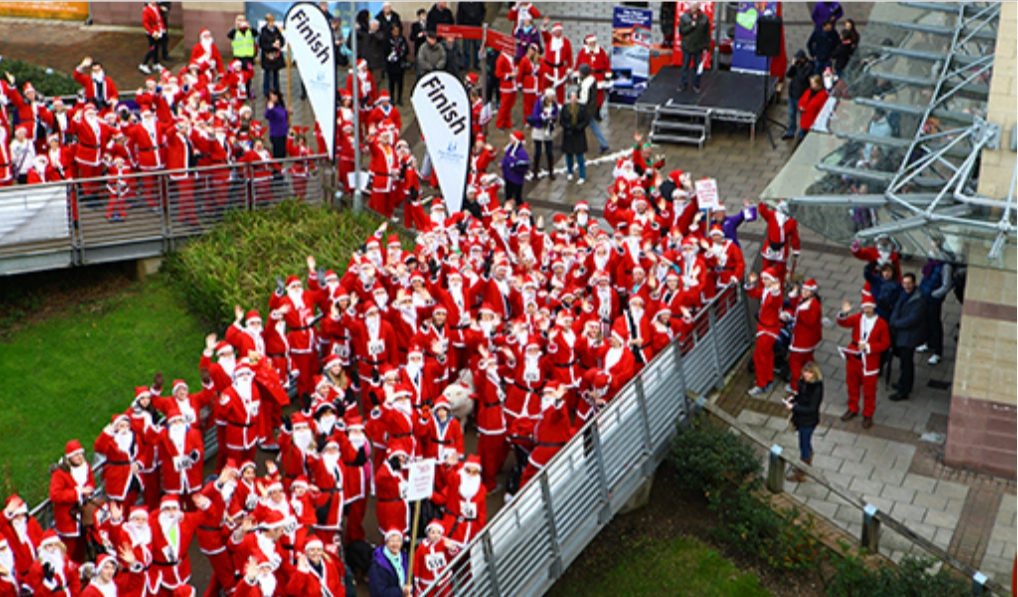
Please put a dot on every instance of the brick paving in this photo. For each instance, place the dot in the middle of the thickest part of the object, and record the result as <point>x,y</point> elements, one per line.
<point>897,465</point>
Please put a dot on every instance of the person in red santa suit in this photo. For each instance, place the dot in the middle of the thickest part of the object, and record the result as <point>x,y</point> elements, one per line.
<point>265,539</point>
<point>724,262</point>
<point>206,55</point>
<point>596,58</point>
<point>520,11</point>
<point>768,326</point>
<point>240,405</point>
<point>530,369</point>
<point>604,299</point>
<point>384,110</point>
<point>781,249</point>
<point>149,139</point>
<point>7,174</point>
<point>297,148</point>
<point>693,274</point>
<point>61,157</point>
<point>121,472</point>
<point>635,325</point>
<point>22,532</point>
<point>54,573</point>
<point>391,508</point>
<point>443,434</point>
<point>870,338</point>
<point>93,135</point>
<point>367,91</point>
<point>172,533</point>
<point>432,556</point>
<point>182,454</point>
<point>492,446</point>
<point>262,168</point>
<point>327,474</point>
<point>806,314</point>
<point>298,310</point>
<point>111,582</point>
<point>132,532</point>
<point>100,90</point>
<point>373,341</point>
<point>552,431</point>
<point>71,488</point>
<point>214,144</point>
<point>618,361</point>
<point>32,113</point>
<point>180,155</point>
<point>882,252</point>
<point>42,172</point>
<point>505,72</point>
<point>558,60</point>
<point>384,168</point>
<point>466,510</point>
<point>357,477</point>
<point>527,75</point>
<point>319,571</point>
<point>119,189</point>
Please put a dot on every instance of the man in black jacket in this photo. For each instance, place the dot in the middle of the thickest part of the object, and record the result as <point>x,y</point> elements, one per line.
<point>440,14</point>
<point>798,82</point>
<point>908,328</point>
<point>821,46</point>
<point>471,14</point>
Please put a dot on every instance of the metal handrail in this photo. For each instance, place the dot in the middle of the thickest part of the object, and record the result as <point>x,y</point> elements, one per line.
<point>873,518</point>
<point>478,568</point>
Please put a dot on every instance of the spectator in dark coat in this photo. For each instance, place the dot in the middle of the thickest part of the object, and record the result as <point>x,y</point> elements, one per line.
<point>431,56</point>
<point>798,82</point>
<point>396,57</point>
<point>453,57</point>
<point>885,288</point>
<point>805,407</point>
<point>419,30</point>
<point>388,18</point>
<point>390,570</point>
<point>821,46</point>
<point>908,329</point>
<point>843,53</point>
<point>372,46</point>
<point>938,279</point>
<point>440,14</point>
<point>271,43</point>
<point>471,14</point>
<point>694,27</point>
<point>574,121</point>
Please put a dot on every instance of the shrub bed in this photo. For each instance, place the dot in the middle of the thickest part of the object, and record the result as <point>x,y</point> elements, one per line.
<point>238,262</point>
<point>46,81</point>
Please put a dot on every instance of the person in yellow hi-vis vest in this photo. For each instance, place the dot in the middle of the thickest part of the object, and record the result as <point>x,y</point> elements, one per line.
<point>244,40</point>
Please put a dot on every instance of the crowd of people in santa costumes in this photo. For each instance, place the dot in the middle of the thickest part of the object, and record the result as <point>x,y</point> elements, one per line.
<point>198,117</point>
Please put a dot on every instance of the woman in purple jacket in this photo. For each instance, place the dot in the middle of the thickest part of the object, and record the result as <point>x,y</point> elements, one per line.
<point>278,118</point>
<point>525,35</point>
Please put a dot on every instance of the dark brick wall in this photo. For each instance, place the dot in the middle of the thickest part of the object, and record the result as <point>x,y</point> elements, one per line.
<point>982,435</point>
<point>129,13</point>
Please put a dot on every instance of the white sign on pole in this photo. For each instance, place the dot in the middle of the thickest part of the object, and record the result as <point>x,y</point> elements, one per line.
<point>310,38</point>
<point>421,480</point>
<point>443,110</point>
<point>707,193</point>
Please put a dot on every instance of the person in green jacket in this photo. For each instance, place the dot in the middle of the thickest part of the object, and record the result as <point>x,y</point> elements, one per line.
<point>244,40</point>
<point>694,27</point>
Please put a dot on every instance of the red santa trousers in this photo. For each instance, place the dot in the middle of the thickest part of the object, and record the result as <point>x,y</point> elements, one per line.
<point>529,99</point>
<point>117,203</point>
<point>504,120</point>
<point>413,216</point>
<point>493,450</point>
<point>89,189</point>
<point>855,379</point>
<point>300,185</point>
<point>152,492</point>
<point>795,362</point>
<point>307,365</point>
<point>763,359</point>
<point>380,202</point>
<point>354,517</point>
<point>221,442</point>
<point>222,574</point>
<point>150,186</point>
<point>183,198</point>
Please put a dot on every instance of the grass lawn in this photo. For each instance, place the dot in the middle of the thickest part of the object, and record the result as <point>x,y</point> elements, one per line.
<point>64,377</point>
<point>685,567</point>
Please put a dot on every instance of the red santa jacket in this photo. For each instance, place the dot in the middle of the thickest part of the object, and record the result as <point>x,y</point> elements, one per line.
<point>23,547</point>
<point>117,474</point>
<point>152,21</point>
<point>149,139</point>
<point>66,582</point>
<point>92,138</point>
<point>242,418</point>
<point>181,464</point>
<point>768,322</point>
<point>430,560</point>
<point>465,515</point>
<point>106,89</point>
<point>326,582</point>
<point>66,494</point>
<point>171,567</point>
<point>878,339</point>
<point>782,234</point>
<point>505,72</point>
<point>558,57</point>
<point>807,329</point>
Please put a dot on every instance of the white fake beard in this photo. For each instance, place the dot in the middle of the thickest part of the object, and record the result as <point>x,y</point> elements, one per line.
<point>600,260</point>
<point>140,534</point>
<point>533,365</point>
<point>326,424</point>
<point>99,78</point>
<point>54,558</point>
<point>636,313</point>
<point>884,256</point>
<point>403,406</point>
<point>124,439</point>
<point>372,324</point>
<point>357,440</point>
<point>331,462</point>
<point>376,257</point>
<point>487,327</point>
<point>227,491</point>
<point>80,473</point>
<point>382,300</point>
<point>469,485</point>
<point>296,296</point>
<point>178,433</point>
<point>413,369</point>
<point>267,583</point>
<point>21,528</point>
<point>581,219</point>
<point>302,439</point>
<point>166,522</point>
<point>206,44</point>
<point>243,390</point>
<point>228,364</point>
<point>612,357</point>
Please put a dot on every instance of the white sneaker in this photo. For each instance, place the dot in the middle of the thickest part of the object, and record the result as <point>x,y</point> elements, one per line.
<point>934,359</point>
<point>145,69</point>
<point>529,176</point>
<point>542,174</point>
<point>922,348</point>
<point>569,176</point>
<point>580,181</point>
<point>158,66</point>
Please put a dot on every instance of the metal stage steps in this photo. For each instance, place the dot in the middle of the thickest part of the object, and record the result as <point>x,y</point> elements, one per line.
<point>687,124</point>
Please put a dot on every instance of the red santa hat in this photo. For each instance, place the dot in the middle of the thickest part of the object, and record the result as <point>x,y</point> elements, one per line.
<point>417,276</point>
<point>487,308</point>
<point>716,230</point>
<point>556,27</point>
<point>393,241</point>
<point>383,96</point>
<point>769,273</point>
<point>177,384</point>
<point>138,511</point>
<point>116,418</point>
<point>473,461</point>
<point>472,79</point>
<point>223,346</point>
<point>689,243</point>
<point>243,367</point>
<point>313,542</point>
<point>291,280</point>
<point>73,447</point>
<point>581,205</point>
<point>402,391</point>
<point>354,421</point>
<point>867,299</point>
<point>27,87</point>
<point>273,520</point>
<point>393,531</point>
<point>589,38</point>
<point>48,538</point>
<point>21,508</point>
<point>619,330</point>
<point>637,298</point>
<point>331,275</point>
<point>373,242</point>
<point>103,559</point>
<point>435,524</point>
<point>396,448</point>
<point>246,464</point>
<point>320,381</point>
<point>204,32</point>
<point>442,402</point>
<point>252,316</point>
<point>169,501</point>
<point>299,418</point>
<point>332,360</point>
<point>274,486</point>
<point>300,481</point>
<point>518,136</point>
<point>810,285</point>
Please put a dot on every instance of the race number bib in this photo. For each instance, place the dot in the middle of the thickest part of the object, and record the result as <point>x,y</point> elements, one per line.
<point>435,562</point>
<point>532,376</point>
<point>342,351</point>
<point>403,486</point>
<point>376,347</point>
<point>253,408</point>
<point>468,508</point>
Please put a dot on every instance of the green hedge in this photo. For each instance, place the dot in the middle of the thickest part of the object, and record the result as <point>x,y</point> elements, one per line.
<point>45,81</point>
<point>237,263</point>
<point>912,578</point>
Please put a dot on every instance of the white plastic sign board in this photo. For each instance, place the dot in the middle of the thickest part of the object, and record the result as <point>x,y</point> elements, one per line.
<point>707,193</point>
<point>421,480</point>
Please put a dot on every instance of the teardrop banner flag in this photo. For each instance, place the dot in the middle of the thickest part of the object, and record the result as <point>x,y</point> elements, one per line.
<point>310,38</point>
<point>442,106</point>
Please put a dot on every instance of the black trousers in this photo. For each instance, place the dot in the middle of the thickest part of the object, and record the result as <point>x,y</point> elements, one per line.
<point>934,327</point>
<point>395,84</point>
<point>153,49</point>
<point>906,377</point>
<point>514,191</point>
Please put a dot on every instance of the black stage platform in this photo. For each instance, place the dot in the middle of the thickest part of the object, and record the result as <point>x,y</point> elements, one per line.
<point>727,96</point>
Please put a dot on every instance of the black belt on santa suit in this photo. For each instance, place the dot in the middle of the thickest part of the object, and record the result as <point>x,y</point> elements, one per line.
<point>389,500</point>
<point>401,435</point>
<point>156,148</point>
<point>276,355</point>
<point>118,463</point>
<point>526,388</point>
<point>569,364</point>
<point>491,404</point>
<point>555,64</point>
<point>371,362</point>
<point>550,444</point>
<point>331,490</point>
<point>240,424</point>
<point>203,527</point>
<point>165,564</point>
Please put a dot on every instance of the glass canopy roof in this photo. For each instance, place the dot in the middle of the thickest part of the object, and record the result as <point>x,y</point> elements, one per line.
<point>902,153</point>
